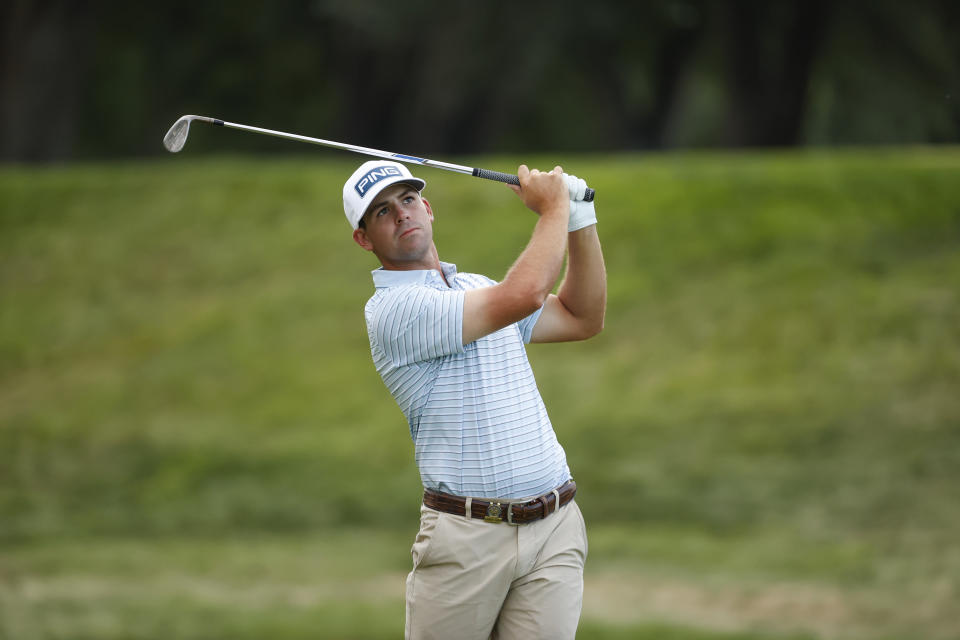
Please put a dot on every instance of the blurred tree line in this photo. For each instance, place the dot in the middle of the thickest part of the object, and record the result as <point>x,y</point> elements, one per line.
<point>84,79</point>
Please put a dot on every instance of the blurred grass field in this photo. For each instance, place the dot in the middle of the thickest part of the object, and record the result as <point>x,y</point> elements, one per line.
<point>194,442</point>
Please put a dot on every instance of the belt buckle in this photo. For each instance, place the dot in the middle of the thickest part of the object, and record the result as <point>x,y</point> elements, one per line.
<point>495,513</point>
<point>510,514</point>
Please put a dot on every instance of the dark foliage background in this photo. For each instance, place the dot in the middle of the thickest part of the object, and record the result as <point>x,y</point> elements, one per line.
<point>103,79</point>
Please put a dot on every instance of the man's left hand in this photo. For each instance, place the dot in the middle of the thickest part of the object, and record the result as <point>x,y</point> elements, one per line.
<point>582,214</point>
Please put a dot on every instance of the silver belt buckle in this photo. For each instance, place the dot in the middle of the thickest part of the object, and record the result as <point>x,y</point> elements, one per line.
<point>510,514</point>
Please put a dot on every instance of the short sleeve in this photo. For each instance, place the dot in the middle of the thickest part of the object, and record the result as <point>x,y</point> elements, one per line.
<point>416,323</point>
<point>526,325</point>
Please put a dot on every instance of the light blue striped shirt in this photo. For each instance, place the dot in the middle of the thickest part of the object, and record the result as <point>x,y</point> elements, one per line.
<point>477,420</point>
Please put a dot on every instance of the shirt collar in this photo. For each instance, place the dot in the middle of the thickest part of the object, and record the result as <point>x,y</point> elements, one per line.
<point>386,278</point>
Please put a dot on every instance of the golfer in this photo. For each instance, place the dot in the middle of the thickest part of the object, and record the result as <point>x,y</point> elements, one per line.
<point>502,543</point>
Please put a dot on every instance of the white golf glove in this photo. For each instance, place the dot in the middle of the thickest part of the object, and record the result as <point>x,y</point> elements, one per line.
<point>582,214</point>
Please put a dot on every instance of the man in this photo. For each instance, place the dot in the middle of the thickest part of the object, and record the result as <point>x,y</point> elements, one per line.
<point>450,348</point>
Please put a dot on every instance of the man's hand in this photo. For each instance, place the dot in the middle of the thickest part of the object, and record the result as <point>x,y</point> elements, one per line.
<point>582,214</point>
<point>544,193</point>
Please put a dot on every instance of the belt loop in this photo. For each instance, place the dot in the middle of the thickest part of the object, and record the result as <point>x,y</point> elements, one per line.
<point>544,506</point>
<point>556,494</point>
<point>469,508</point>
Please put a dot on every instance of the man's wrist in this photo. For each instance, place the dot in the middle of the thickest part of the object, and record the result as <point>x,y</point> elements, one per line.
<point>582,214</point>
<point>556,210</point>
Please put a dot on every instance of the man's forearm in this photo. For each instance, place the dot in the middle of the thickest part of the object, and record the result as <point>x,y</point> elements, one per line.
<point>529,281</point>
<point>539,265</point>
<point>584,288</point>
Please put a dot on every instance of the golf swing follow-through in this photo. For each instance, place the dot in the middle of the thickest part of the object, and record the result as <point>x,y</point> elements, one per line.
<point>502,542</point>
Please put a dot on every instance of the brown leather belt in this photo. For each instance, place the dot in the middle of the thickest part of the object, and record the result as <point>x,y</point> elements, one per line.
<point>502,510</point>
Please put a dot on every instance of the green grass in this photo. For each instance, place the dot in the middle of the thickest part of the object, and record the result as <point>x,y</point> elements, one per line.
<point>194,443</point>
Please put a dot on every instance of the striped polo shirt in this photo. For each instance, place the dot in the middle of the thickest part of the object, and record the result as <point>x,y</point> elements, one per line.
<point>477,420</point>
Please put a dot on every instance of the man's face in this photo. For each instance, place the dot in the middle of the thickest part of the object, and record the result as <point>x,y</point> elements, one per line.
<point>398,228</point>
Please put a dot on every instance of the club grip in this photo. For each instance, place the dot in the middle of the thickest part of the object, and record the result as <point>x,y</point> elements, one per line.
<point>509,178</point>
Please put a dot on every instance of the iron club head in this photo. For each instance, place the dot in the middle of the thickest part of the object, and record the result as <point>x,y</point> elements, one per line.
<point>177,135</point>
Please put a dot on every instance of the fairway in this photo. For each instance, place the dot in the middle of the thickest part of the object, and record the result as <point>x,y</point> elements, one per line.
<point>766,437</point>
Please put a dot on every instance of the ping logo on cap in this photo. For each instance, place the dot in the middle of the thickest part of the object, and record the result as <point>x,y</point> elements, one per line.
<point>373,176</point>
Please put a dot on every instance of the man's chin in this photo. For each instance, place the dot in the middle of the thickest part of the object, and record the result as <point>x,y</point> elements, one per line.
<point>418,253</point>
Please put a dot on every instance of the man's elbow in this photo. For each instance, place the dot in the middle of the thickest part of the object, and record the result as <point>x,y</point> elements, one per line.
<point>588,328</point>
<point>594,328</point>
<point>528,299</point>
<point>598,326</point>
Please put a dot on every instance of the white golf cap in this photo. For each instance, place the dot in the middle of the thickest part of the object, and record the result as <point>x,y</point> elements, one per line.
<point>360,189</point>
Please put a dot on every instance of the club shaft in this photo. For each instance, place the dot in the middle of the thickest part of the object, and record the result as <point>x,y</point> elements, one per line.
<point>350,147</point>
<point>426,162</point>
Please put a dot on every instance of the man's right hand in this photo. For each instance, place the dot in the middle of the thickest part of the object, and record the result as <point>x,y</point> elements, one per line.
<point>544,193</point>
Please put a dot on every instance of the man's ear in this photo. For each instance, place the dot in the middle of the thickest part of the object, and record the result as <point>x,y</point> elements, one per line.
<point>360,237</point>
<point>426,204</point>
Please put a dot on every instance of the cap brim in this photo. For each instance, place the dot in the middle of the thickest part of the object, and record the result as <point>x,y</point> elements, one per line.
<point>414,182</point>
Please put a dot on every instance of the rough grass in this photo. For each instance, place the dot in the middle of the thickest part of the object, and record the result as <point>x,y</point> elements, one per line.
<point>194,444</point>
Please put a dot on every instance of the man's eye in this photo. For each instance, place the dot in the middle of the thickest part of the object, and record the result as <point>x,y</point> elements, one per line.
<point>408,199</point>
<point>382,211</point>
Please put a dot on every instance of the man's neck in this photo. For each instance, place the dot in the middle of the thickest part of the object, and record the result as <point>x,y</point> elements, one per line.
<point>430,262</point>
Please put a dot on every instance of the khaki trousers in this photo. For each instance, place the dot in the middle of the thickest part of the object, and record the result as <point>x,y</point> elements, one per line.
<point>477,580</point>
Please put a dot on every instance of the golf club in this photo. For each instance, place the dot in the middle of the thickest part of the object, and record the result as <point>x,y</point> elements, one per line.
<point>177,137</point>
